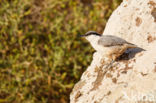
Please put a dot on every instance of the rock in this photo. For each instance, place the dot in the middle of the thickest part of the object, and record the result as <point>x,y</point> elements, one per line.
<point>135,21</point>
<point>132,78</point>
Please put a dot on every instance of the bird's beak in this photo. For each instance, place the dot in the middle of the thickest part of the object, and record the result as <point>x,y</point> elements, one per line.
<point>81,35</point>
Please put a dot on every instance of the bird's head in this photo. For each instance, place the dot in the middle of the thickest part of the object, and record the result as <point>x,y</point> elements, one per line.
<point>91,35</point>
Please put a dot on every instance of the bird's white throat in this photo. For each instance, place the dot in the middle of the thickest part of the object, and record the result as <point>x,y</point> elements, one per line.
<point>92,38</point>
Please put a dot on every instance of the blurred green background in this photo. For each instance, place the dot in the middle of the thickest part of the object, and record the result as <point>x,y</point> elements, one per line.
<point>41,55</point>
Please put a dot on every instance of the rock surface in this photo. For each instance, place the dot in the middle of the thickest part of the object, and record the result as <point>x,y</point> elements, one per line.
<point>132,78</point>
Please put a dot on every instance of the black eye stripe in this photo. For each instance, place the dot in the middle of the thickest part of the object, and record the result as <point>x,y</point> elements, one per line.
<point>97,34</point>
<point>92,33</point>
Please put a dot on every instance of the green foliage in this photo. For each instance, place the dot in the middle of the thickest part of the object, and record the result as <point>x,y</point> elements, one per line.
<point>41,54</point>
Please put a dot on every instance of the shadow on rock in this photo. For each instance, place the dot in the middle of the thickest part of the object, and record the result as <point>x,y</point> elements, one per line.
<point>130,53</point>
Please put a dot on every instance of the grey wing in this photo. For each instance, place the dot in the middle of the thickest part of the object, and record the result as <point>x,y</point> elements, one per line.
<point>110,40</point>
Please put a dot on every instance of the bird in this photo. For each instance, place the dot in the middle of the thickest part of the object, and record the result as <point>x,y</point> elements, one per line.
<point>108,45</point>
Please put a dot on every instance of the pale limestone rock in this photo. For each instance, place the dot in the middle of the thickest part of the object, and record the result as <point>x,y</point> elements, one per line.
<point>125,81</point>
<point>135,21</point>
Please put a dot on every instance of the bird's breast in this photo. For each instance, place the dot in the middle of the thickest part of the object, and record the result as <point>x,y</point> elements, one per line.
<point>100,48</point>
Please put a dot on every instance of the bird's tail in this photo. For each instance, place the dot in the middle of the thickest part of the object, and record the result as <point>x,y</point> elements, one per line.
<point>130,45</point>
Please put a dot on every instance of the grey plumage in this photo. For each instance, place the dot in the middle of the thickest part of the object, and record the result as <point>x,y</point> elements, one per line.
<point>110,40</point>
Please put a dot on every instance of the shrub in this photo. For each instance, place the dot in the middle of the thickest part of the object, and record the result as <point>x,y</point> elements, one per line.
<point>41,55</point>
